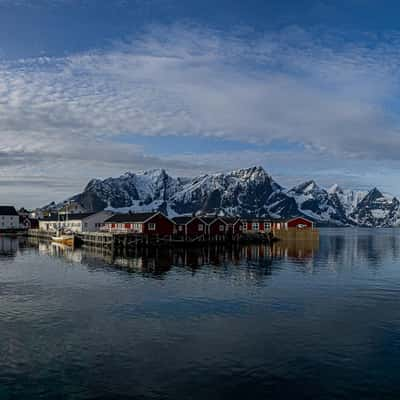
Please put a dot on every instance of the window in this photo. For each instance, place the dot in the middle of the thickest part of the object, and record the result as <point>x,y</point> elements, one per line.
<point>137,227</point>
<point>255,226</point>
<point>152,226</point>
<point>201,227</point>
<point>267,225</point>
<point>180,228</point>
<point>221,228</point>
<point>244,226</point>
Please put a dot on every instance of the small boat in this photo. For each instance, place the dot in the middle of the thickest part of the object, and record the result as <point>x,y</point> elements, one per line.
<point>63,238</point>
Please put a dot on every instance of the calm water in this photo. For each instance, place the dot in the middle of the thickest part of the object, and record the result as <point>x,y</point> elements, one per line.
<point>311,321</point>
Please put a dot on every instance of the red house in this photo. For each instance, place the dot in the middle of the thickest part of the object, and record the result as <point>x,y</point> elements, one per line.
<point>277,224</point>
<point>256,225</point>
<point>216,227</point>
<point>181,226</point>
<point>154,223</point>
<point>209,227</point>
<point>190,227</point>
<point>196,227</point>
<point>234,225</point>
<point>300,223</point>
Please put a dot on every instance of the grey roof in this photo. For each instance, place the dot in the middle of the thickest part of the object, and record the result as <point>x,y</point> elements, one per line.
<point>63,217</point>
<point>182,220</point>
<point>210,220</point>
<point>230,220</point>
<point>131,217</point>
<point>8,210</point>
<point>266,219</point>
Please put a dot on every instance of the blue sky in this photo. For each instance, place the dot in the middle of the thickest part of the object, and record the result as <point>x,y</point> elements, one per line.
<point>307,89</point>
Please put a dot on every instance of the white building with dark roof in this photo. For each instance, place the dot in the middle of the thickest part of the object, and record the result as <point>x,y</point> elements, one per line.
<point>9,218</point>
<point>83,222</point>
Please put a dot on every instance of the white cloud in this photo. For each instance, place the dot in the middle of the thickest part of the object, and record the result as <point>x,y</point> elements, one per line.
<point>64,113</point>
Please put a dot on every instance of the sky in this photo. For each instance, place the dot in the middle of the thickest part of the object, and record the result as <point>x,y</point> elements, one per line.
<point>307,89</point>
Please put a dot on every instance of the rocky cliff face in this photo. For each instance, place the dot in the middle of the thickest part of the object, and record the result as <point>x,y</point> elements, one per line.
<point>247,192</point>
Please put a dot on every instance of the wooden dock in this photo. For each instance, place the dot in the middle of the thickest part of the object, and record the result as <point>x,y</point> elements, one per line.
<point>117,241</point>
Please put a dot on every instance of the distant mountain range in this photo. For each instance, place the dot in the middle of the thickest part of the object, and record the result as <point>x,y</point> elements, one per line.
<point>247,192</point>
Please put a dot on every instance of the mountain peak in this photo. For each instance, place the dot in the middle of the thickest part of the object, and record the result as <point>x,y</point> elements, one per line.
<point>306,187</point>
<point>250,172</point>
<point>373,195</point>
<point>335,189</point>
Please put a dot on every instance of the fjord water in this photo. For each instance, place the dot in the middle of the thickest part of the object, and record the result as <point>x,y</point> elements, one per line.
<point>300,320</point>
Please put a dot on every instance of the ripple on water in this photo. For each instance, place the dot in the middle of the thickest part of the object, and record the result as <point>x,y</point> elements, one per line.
<point>312,320</point>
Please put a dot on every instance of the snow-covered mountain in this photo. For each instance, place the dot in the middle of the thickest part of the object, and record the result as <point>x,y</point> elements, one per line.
<point>377,209</point>
<point>348,198</point>
<point>317,203</point>
<point>249,192</point>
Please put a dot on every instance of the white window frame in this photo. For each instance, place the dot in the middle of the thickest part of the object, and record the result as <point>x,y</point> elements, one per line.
<point>255,226</point>
<point>200,228</point>
<point>137,227</point>
<point>151,226</point>
<point>222,228</point>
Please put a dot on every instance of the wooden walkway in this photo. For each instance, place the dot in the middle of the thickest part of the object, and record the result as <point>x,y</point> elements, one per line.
<point>115,241</point>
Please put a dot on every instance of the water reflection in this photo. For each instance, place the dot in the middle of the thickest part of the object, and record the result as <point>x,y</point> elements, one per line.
<point>9,247</point>
<point>158,261</point>
<point>338,248</point>
<point>213,322</point>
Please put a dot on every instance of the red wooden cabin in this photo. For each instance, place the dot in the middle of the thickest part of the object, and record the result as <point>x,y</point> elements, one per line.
<point>300,223</point>
<point>196,227</point>
<point>153,224</point>
<point>216,227</point>
<point>190,226</point>
<point>256,225</point>
<point>234,225</point>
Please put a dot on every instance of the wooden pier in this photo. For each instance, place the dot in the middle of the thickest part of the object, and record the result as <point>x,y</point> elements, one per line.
<point>118,241</point>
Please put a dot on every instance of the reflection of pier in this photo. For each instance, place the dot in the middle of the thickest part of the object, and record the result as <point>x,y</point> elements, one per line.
<point>158,261</point>
<point>8,246</point>
<point>298,249</point>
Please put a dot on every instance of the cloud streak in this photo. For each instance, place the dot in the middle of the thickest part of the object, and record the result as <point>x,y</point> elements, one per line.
<point>331,96</point>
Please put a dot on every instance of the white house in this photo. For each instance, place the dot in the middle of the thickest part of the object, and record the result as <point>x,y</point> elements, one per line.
<point>9,218</point>
<point>84,222</point>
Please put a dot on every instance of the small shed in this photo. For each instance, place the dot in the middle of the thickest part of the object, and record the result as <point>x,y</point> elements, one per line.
<point>300,223</point>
